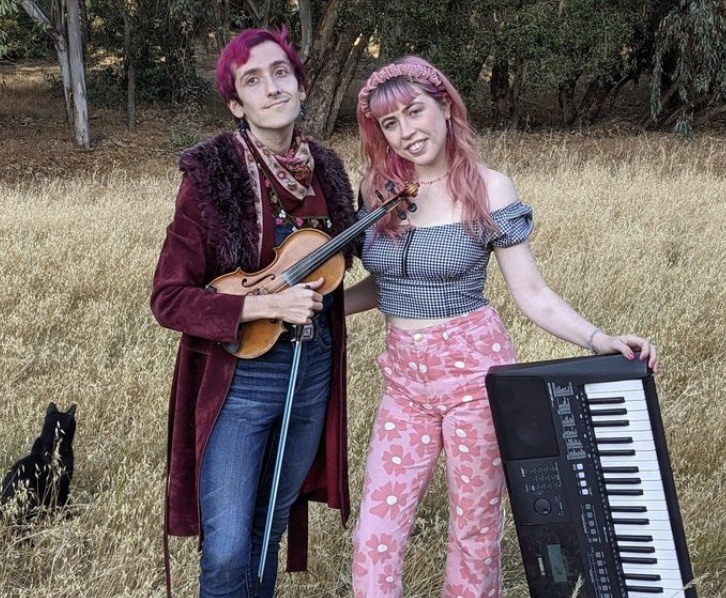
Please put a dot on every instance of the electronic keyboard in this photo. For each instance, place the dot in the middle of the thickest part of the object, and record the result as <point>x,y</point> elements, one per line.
<point>589,478</point>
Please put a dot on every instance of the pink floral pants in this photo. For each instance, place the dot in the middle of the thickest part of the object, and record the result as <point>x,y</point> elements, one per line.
<point>434,398</point>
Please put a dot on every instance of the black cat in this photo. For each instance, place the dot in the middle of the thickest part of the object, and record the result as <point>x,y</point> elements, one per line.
<point>44,476</point>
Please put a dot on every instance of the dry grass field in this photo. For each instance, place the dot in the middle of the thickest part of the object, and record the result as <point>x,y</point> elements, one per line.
<point>629,230</point>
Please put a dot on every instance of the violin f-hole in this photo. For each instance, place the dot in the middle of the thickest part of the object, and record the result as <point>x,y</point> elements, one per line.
<point>247,283</point>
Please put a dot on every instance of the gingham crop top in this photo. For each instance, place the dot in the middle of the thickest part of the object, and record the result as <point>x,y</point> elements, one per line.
<point>439,271</point>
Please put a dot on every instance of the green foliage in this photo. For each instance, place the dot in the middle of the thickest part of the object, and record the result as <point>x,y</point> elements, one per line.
<point>558,42</point>
<point>161,47</point>
<point>543,45</point>
<point>690,58</point>
<point>20,37</point>
<point>452,35</point>
<point>497,52</point>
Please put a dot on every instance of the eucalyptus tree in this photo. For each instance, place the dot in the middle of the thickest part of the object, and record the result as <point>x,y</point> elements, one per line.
<point>63,26</point>
<point>689,74</point>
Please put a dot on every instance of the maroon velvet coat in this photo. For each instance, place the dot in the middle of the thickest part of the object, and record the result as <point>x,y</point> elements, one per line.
<point>215,229</point>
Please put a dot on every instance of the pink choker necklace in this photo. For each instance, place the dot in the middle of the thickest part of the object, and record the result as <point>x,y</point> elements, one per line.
<point>441,177</point>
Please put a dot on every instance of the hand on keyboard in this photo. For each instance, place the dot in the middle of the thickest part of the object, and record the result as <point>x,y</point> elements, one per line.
<point>627,344</point>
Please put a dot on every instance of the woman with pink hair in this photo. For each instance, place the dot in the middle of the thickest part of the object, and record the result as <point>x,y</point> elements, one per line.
<point>427,275</point>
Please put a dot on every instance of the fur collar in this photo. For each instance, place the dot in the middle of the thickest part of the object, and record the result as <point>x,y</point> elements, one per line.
<point>228,204</point>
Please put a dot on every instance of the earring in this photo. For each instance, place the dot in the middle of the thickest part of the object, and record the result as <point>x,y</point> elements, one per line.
<point>241,125</point>
<point>303,110</point>
<point>388,151</point>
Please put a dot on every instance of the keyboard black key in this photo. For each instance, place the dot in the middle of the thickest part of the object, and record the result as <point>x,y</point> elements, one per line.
<point>608,412</point>
<point>611,423</point>
<point>621,480</point>
<point>617,521</point>
<point>623,469</point>
<point>605,400</point>
<point>614,440</point>
<point>617,453</point>
<point>636,560</point>
<point>642,576</point>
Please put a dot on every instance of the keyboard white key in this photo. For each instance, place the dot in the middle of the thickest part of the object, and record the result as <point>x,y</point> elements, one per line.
<point>656,534</point>
<point>666,594</point>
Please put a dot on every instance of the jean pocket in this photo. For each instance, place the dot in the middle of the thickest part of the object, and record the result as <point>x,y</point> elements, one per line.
<point>324,338</point>
<point>494,346</point>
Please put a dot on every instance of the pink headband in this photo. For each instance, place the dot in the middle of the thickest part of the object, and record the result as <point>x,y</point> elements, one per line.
<point>412,72</point>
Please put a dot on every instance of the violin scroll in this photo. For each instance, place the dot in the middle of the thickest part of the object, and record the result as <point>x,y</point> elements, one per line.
<point>409,190</point>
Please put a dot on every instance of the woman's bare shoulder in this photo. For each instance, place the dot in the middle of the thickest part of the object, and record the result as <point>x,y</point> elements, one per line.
<point>500,188</point>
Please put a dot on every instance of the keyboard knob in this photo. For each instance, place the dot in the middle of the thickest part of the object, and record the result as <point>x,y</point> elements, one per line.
<point>542,506</point>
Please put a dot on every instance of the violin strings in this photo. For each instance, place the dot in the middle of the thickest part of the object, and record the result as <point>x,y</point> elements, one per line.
<point>311,262</point>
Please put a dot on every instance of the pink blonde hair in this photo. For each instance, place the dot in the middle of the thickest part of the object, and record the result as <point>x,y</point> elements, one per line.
<point>399,83</point>
<point>237,52</point>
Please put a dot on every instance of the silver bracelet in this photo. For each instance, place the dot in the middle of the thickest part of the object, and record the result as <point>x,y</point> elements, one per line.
<point>590,346</point>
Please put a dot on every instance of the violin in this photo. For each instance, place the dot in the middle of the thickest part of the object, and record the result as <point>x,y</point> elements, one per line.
<point>305,255</point>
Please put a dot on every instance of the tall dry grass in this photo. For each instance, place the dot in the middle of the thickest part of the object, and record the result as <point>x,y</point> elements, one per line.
<point>629,231</point>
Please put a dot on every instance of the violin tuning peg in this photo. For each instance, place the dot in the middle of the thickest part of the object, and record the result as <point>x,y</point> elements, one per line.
<point>401,213</point>
<point>412,207</point>
<point>379,196</point>
<point>390,186</point>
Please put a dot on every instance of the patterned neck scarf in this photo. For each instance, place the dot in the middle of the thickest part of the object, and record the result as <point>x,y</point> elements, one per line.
<point>291,174</point>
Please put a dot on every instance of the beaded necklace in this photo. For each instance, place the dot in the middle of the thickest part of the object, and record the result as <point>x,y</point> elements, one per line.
<point>282,218</point>
<point>441,177</point>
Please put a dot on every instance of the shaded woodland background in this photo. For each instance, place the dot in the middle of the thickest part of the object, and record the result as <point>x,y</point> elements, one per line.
<point>520,63</point>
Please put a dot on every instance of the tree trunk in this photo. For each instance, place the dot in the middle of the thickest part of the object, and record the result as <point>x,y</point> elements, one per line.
<point>346,76</point>
<point>334,54</point>
<point>130,73</point>
<point>331,83</point>
<point>500,92</point>
<point>323,41</point>
<point>711,114</point>
<point>594,99</point>
<point>78,75</point>
<point>306,28</point>
<point>222,19</point>
<point>514,93</point>
<point>73,91</point>
<point>61,49</point>
<point>259,11</point>
<point>616,91</point>
<point>566,98</point>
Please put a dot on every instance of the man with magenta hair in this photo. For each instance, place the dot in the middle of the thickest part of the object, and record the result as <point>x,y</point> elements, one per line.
<point>242,193</point>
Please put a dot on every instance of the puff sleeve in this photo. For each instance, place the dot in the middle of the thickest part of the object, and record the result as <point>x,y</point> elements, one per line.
<point>515,224</point>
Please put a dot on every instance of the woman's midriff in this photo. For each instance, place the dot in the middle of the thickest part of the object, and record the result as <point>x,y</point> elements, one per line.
<point>414,324</point>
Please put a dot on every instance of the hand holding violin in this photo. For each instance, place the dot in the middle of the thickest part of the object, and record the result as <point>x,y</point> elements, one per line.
<point>295,305</point>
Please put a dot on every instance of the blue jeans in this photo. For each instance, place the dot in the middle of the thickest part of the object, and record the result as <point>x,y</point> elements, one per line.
<point>239,460</point>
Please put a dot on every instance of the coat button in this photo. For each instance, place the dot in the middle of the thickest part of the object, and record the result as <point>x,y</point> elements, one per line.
<point>418,337</point>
